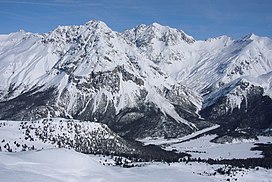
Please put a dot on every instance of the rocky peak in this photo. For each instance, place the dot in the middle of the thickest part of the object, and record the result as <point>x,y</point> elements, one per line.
<point>143,35</point>
<point>169,35</point>
<point>222,38</point>
<point>80,34</point>
<point>250,36</point>
<point>97,24</point>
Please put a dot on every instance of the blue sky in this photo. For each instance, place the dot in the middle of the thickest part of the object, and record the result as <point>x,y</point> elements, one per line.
<point>199,18</point>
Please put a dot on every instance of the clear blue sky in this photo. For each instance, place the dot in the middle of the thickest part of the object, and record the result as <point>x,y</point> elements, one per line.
<point>199,18</point>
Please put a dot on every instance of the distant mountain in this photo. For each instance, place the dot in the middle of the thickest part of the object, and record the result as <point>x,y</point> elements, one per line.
<point>152,80</point>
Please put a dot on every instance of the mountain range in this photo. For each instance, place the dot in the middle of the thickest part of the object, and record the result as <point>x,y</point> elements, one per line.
<point>149,81</point>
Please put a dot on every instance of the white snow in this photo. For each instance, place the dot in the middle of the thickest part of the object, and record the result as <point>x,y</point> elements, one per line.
<point>203,148</point>
<point>163,141</point>
<point>14,133</point>
<point>56,165</point>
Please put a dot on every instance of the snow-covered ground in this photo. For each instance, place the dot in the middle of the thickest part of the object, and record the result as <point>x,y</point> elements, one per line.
<point>84,136</point>
<point>55,165</point>
<point>51,164</point>
<point>203,148</point>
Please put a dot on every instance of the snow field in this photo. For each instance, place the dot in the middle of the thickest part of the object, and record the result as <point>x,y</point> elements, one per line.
<point>56,165</point>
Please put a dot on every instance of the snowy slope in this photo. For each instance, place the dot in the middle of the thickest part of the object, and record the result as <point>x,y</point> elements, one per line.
<point>82,136</point>
<point>56,165</point>
<point>231,76</point>
<point>202,64</point>
<point>247,58</point>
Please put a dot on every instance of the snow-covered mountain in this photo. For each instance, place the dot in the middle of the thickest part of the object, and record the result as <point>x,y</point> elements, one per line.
<point>152,80</point>
<point>233,77</point>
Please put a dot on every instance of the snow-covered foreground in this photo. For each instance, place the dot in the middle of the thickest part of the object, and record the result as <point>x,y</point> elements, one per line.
<point>51,165</point>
